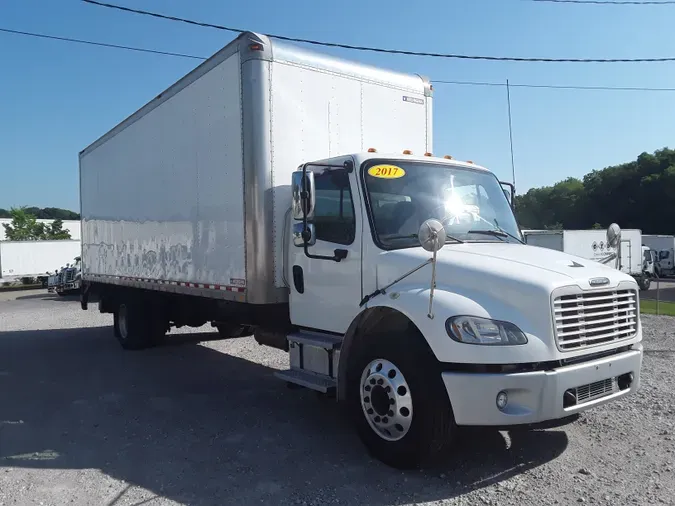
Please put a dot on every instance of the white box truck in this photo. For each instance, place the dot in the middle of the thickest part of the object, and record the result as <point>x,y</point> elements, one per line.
<point>592,245</point>
<point>664,247</point>
<point>271,191</point>
<point>35,259</point>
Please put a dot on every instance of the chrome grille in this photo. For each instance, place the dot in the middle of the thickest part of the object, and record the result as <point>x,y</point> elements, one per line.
<point>597,390</point>
<point>594,318</point>
<point>70,275</point>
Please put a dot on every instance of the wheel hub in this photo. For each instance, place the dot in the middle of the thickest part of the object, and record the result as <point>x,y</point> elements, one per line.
<point>386,400</point>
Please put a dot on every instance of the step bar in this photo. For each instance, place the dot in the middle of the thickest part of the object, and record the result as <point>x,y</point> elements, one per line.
<point>314,358</point>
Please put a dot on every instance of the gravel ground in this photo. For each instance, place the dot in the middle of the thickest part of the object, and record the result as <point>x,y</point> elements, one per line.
<point>84,423</point>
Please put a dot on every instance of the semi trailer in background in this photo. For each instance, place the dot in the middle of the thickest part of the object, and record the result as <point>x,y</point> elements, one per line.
<point>35,259</point>
<point>593,245</point>
<point>291,195</point>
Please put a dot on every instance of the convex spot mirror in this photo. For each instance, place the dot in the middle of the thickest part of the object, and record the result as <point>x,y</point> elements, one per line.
<point>613,235</point>
<point>303,195</point>
<point>298,238</point>
<point>432,235</point>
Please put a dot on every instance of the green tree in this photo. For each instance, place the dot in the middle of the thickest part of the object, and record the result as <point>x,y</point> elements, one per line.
<point>638,194</point>
<point>55,231</point>
<point>25,227</point>
<point>47,213</point>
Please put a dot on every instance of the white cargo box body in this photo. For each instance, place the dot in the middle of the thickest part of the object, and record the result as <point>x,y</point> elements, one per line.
<point>591,245</point>
<point>189,194</point>
<point>35,258</point>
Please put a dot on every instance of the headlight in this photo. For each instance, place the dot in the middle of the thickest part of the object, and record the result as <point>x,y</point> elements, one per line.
<point>475,330</point>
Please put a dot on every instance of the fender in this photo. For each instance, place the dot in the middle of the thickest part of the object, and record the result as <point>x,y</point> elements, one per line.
<point>410,304</point>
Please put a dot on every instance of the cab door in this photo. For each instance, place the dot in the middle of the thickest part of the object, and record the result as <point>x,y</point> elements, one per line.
<point>325,277</point>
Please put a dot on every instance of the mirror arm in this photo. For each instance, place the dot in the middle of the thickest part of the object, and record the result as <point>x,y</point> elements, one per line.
<point>338,255</point>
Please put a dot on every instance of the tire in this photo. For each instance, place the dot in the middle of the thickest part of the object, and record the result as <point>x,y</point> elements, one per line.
<point>422,408</point>
<point>229,331</point>
<point>137,328</point>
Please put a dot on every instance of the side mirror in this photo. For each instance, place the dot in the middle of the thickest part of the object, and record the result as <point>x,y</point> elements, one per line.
<point>509,192</point>
<point>303,193</point>
<point>298,237</point>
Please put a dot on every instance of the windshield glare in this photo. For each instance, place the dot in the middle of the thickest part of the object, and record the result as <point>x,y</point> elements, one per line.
<point>468,202</point>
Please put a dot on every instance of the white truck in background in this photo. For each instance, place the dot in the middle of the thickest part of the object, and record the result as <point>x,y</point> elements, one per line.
<point>664,247</point>
<point>35,259</point>
<point>273,191</point>
<point>592,245</point>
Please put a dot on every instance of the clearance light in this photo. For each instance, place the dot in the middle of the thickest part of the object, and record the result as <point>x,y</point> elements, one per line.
<point>427,154</point>
<point>407,152</point>
<point>447,157</point>
<point>372,150</point>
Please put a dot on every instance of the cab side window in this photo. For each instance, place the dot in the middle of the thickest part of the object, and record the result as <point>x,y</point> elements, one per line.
<point>334,219</point>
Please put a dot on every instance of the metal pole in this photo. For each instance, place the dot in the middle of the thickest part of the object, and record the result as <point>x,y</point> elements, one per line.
<point>508,101</point>
<point>658,294</point>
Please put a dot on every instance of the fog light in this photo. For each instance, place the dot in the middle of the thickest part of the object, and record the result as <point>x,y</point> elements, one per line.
<point>502,400</point>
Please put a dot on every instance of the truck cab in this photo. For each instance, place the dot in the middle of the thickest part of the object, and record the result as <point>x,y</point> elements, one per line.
<point>413,294</point>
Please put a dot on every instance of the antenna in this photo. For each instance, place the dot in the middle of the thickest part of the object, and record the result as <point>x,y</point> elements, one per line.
<point>508,102</point>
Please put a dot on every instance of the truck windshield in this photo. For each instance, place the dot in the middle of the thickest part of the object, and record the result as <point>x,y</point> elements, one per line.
<point>469,202</point>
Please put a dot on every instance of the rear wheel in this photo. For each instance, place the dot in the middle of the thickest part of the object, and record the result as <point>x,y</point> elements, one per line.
<point>137,327</point>
<point>399,403</point>
<point>231,331</point>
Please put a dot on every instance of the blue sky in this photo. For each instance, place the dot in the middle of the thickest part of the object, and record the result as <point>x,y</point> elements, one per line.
<point>57,97</point>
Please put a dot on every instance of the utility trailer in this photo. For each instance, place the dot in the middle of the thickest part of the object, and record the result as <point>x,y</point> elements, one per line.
<point>592,245</point>
<point>292,195</point>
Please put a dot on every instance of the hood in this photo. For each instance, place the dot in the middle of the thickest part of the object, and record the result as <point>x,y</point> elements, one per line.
<point>504,269</point>
<point>503,281</point>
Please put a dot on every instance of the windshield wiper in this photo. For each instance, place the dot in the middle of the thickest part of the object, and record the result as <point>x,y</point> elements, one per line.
<point>496,232</point>
<point>415,236</point>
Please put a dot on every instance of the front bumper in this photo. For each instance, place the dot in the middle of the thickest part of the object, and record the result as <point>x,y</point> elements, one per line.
<point>540,396</point>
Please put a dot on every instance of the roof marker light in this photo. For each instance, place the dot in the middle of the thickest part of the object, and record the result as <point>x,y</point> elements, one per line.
<point>427,154</point>
<point>372,150</point>
<point>407,152</point>
<point>447,157</point>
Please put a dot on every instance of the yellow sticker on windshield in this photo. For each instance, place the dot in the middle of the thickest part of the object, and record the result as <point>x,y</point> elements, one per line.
<point>386,171</point>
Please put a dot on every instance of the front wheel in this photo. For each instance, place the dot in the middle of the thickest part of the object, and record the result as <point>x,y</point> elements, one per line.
<point>399,403</point>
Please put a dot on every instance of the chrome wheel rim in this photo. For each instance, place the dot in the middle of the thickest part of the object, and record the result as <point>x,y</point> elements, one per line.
<point>386,400</point>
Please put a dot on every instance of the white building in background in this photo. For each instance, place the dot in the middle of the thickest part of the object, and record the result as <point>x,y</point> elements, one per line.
<point>73,226</point>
